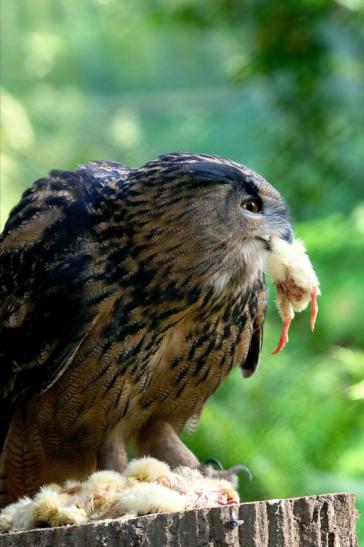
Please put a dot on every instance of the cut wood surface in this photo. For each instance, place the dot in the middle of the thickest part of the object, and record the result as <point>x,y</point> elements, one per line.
<point>326,520</point>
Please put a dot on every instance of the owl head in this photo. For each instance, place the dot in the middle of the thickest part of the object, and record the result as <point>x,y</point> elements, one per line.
<point>203,218</point>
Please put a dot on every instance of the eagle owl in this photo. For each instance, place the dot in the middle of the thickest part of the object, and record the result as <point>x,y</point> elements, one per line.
<point>126,298</point>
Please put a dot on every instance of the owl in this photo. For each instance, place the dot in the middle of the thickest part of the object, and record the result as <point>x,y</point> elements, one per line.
<point>127,296</point>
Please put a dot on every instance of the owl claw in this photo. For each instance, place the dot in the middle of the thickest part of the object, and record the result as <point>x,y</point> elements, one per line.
<point>214,462</point>
<point>230,475</point>
<point>284,336</point>
<point>314,308</point>
<point>241,469</point>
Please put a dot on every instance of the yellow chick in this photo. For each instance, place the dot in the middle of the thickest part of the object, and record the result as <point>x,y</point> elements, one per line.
<point>53,508</point>
<point>215,492</point>
<point>15,516</point>
<point>296,281</point>
<point>100,490</point>
<point>72,487</point>
<point>149,469</point>
<point>207,492</point>
<point>146,469</point>
<point>147,486</point>
<point>147,497</point>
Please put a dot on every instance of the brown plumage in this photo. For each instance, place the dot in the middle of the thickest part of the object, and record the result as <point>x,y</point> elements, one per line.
<point>126,297</point>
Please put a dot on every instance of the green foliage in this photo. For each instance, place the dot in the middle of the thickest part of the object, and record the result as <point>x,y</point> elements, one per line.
<point>276,85</point>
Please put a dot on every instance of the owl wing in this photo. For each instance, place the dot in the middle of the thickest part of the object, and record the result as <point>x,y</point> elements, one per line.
<point>50,287</point>
<point>257,307</point>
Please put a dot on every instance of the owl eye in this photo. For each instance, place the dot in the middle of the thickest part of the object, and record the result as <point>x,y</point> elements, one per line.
<point>254,205</point>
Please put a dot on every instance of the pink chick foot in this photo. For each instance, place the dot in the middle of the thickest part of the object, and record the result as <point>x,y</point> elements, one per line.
<point>284,336</point>
<point>314,308</point>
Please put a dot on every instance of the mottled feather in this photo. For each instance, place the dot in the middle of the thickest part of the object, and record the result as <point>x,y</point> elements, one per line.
<point>127,296</point>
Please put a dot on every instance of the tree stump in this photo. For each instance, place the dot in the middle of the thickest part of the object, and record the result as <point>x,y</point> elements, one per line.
<point>325,521</point>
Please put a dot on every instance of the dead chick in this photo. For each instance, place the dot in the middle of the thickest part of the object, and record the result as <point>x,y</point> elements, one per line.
<point>50,507</point>
<point>100,491</point>
<point>53,507</point>
<point>144,498</point>
<point>147,469</point>
<point>147,486</point>
<point>296,282</point>
<point>14,517</point>
<point>72,487</point>
<point>205,491</point>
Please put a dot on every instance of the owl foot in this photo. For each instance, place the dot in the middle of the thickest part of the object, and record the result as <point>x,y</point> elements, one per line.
<point>231,475</point>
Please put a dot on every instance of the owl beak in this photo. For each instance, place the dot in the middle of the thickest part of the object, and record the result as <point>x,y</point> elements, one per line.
<point>265,240</point>
<point>288,235</point>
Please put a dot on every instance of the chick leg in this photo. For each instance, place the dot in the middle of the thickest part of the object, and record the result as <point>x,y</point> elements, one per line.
<point>284,336</point>
<point>159,440</point>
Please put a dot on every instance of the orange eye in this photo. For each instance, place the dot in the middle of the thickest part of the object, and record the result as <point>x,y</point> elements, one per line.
<point>254,205</point>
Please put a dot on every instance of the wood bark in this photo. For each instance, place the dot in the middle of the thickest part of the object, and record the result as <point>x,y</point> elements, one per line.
<point>314,521</point>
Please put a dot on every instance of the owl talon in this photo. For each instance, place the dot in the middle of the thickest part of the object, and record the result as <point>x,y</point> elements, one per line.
<point>214,462</point>
<point>284,336</point>
<point>230,475</point>
<point>236,469</point>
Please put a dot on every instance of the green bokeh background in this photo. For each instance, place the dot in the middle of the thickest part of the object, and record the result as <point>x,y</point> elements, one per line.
<point>276,85</point>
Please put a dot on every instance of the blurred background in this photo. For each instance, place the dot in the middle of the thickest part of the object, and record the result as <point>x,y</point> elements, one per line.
<point>276,85</point>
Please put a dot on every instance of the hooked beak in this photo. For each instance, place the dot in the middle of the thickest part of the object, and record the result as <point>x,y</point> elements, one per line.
<point>265,241</point>
<point>288,235</point>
